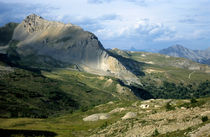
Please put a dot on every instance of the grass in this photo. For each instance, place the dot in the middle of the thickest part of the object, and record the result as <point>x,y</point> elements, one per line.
<point>28,94</point>
<point>170,70</point>
<point>68,125</point>
<point>182,82</point>
<point>91,84</point>
<point>72,125</point>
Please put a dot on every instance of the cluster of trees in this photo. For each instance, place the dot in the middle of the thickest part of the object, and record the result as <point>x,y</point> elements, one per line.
<point>170,90</point>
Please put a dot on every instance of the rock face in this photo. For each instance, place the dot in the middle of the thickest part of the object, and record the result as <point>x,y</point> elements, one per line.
<point>67,43</point>
<point>200,56</point>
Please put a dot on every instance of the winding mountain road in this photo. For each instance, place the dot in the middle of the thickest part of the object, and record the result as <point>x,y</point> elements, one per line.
<point>191,74</point>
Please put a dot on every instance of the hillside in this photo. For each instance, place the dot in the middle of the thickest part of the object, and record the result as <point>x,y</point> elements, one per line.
<point>200,56</point>
<point>155,117</point>
<point>169,77</point>
<point>37,93</point>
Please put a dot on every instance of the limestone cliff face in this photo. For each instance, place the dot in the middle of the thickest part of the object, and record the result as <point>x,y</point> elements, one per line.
<point>67,43</point>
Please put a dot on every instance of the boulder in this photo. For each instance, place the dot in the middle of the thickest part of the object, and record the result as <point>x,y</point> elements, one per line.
<point>129,115</point>
<point>96,117</point>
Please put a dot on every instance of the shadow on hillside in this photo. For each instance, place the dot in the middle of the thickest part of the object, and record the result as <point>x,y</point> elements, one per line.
<point>138,91</point>
<point>141,93</point>
<point>4,58</point>
<point>26,133</point>
<point>134,66</point>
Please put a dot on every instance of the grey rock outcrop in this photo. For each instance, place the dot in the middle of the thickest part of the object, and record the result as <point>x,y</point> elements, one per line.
<point>96,117</point>
<point>129,115</point>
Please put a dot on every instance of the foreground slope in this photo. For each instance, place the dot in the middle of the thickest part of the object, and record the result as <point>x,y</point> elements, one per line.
<point>123,119</point>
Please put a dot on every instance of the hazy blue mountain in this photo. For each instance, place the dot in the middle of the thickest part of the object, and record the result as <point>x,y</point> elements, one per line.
<point>200,56</point>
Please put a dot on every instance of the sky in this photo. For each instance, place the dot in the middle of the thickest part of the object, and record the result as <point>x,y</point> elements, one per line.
<point>140,24</point>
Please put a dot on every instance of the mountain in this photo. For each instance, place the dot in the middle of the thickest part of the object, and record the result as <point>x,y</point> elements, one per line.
<point>39,43</point>
<point>77,61</point>
<point>200,56</point>
<point>44,65</point>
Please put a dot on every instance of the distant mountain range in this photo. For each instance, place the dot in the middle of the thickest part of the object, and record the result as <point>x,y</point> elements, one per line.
<point>200,56</point>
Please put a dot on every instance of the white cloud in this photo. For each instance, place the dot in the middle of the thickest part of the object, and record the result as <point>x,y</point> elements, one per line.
<point>137,21</point>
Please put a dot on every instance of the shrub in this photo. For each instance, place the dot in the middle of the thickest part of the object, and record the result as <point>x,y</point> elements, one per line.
<point>204,118</point>
<point>104,125</point>
<point>155,133</point>
<point>84,108</point>
<point>193,100</point>
<point>169,107</point>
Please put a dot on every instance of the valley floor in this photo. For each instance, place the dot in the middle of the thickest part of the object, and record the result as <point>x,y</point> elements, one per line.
<point>154,117</point>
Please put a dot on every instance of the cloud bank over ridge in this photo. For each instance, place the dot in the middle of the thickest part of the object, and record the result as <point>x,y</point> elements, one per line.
<point>143,24</point>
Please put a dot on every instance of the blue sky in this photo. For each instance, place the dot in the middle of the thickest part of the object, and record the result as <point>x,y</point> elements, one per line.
<point>142,24</point>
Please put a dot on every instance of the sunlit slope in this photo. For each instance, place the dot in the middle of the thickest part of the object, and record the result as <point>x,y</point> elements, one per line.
<point>168,77</point>
<point>162,67</point>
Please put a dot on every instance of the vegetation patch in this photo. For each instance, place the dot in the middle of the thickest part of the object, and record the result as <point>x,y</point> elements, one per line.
<point>204,118</point>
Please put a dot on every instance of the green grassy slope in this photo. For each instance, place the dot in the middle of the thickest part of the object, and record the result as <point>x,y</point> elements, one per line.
<point>169,77</point>
<point>28,94</point>
<point>31,93</point>
<point>89,85</point>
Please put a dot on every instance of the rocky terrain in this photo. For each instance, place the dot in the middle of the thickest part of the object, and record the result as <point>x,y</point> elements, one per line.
<point>157,119</point>
<point>154,117</point>
<point>200,56</point>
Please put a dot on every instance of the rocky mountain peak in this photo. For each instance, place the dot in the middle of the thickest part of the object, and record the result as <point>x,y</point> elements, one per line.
<point>32,23</point>
<point>33,17</point>
<point>177,46</point>
<point>35,23</point>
